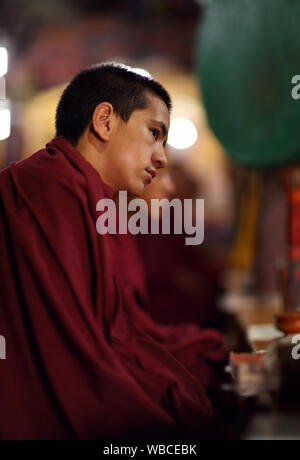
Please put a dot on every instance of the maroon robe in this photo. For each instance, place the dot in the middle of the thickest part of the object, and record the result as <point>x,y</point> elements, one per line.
<point>201,350</point>
<point>77,366</point>
<point>185,285</point>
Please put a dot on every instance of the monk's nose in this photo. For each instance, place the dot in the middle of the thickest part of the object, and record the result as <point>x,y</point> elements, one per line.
<point>159,158</point>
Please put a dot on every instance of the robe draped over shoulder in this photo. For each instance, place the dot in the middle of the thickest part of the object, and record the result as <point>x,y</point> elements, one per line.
<point>79,364</point>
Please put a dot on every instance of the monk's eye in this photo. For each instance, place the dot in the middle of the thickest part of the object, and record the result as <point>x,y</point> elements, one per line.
<point>155,133</point>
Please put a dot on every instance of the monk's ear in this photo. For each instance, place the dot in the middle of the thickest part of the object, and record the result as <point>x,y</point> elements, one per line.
<point>102,120</point>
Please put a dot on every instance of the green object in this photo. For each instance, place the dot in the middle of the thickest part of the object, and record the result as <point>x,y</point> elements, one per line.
<point>247,54</point>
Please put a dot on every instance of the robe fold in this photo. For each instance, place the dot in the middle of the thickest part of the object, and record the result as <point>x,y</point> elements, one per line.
<point>80,362</point>
<point>185,286</point>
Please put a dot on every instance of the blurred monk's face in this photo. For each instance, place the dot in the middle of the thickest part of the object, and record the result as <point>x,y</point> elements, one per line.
<point>162,187</point>
<point>136,148</point>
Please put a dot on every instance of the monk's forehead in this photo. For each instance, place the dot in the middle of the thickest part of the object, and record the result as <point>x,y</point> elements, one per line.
<point>157,110</point>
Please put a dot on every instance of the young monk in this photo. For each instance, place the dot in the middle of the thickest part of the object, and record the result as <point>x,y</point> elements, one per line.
<point>77,366</point>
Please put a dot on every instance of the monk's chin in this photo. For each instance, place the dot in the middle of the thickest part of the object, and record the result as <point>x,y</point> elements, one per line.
<point>136,191</point>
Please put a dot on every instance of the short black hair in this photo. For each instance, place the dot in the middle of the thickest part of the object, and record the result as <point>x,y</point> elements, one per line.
<point>111,82</point>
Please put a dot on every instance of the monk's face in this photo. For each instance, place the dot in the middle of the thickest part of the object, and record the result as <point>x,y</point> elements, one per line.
<point>162,187</point>
<point>137,147</point>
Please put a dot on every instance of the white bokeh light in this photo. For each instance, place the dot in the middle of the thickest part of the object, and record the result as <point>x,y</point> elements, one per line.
<point>3,61</point>
<point>4,124</point>
<point>182,133</point>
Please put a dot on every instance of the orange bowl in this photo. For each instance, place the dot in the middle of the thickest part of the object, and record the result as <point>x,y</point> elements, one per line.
<point>288,322</point>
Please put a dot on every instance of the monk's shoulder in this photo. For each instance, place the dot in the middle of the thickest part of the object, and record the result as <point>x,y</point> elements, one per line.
<point>42,178</point>
<point>45,168</point>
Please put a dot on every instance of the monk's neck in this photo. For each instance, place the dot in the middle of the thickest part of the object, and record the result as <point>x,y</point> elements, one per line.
<point>95,154</point>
